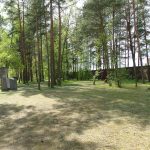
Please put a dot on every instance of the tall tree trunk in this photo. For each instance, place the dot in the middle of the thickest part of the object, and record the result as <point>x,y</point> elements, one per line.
<point>138,41</point>
<point>65,53</point>
<point>114,50</point>
<point>104,44</point>
<point>41,56</point>
<point>21,47</point>
<point>59,48</point>
<point>35,62</point>
<point>128,45</point>
<point>25,74</point>
<point>47,48</point>
<point>52,63</point>
<point>38,50</point>
<point>146,44</point>
<point>128,19</point>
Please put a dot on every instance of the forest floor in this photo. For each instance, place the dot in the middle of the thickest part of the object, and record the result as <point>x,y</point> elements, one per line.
<point>76,116</point>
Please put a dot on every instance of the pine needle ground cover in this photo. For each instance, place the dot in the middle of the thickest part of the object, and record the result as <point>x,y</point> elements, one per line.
<point>76,116</point>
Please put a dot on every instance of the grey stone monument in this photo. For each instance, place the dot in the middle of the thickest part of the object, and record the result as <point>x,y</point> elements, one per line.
<point>13,84</point>
<point>5,84</point>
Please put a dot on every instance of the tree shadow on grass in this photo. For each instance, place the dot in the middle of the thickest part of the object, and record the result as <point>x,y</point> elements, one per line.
<point>113,104</point>
<point>108,103</point>
<point>103,104</point>
<point>78,109</point>
<point>86,99</point>
<point>25,128</point>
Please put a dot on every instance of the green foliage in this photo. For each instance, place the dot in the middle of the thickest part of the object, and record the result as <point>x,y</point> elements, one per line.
<point>117,76</point>
<point>9,56</point>
<point>110,78</point>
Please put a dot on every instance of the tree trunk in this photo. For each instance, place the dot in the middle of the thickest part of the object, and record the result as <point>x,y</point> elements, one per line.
<point>59,48</point>
<point>138,41</point>
<point>38,50</point>
<point>128,19</point>
<point>146,45</point>
<point>52,46</point>
<point>47,49</point>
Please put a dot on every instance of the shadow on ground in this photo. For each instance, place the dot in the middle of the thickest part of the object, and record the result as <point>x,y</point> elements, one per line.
<point>87,99</point>
<point>26,128</point>
<point>79,108</point>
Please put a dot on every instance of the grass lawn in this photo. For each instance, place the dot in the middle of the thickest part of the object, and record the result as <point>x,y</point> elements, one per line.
<point>76,116</point>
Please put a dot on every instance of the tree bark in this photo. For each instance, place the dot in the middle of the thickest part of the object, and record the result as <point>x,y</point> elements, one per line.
<point>52,46</point>
<point>60,47</point>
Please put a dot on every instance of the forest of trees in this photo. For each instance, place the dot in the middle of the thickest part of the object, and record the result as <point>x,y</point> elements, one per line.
<point>52,40</point>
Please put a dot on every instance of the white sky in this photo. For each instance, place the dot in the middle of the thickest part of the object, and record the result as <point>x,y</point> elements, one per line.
<point>80,3</point>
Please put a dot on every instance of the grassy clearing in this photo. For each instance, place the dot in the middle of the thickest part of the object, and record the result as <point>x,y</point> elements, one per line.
<point>76,116</point>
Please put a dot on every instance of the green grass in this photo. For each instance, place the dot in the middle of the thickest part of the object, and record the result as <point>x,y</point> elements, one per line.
<point>76,116</point>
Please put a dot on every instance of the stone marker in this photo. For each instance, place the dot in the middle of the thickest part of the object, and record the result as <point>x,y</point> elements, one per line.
<point>13,84</point>
<point>5,84</point>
